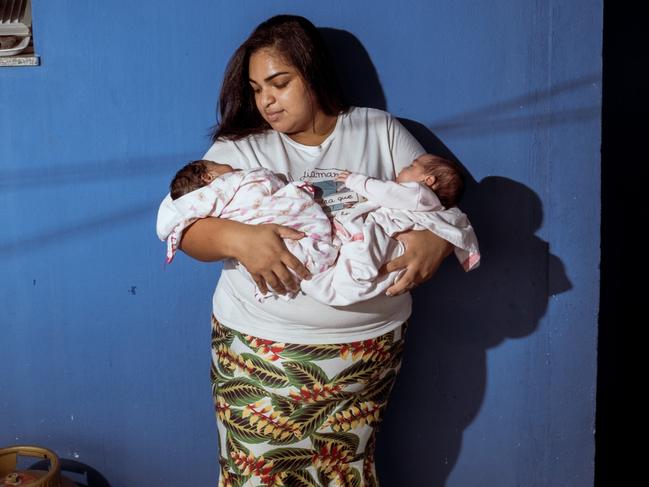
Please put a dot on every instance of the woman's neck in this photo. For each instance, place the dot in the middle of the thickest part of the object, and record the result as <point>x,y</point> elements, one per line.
<point>322,127</point>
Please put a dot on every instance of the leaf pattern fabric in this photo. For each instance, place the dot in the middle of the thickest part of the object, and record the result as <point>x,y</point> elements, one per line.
<point>298,415</point>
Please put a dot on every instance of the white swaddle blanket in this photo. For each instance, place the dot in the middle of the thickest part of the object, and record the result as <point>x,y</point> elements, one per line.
<point>345,266</point>
<point>254,197</point>
<point>365,233</point>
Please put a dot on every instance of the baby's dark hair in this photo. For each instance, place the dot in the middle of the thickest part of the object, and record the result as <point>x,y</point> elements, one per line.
<point>190,177</point>
<point>449,184</point>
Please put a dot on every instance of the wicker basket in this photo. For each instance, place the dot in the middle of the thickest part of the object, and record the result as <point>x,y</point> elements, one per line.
<point>10,477</point>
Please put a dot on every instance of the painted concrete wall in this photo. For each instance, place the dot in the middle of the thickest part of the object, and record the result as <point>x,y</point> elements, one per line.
<point>105,351</point>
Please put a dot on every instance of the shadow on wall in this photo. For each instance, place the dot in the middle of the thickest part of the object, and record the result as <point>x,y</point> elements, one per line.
<point>458,316</point>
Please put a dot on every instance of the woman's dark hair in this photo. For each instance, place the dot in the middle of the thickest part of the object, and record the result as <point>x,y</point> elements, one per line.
<point>301,45</point>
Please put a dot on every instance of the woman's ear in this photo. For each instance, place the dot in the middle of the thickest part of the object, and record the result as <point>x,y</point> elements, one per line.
<point>207,177</point>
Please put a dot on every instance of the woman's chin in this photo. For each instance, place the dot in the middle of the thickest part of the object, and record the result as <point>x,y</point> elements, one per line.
<point>279,126</point>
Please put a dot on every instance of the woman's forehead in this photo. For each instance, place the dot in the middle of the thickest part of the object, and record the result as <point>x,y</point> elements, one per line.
<point>268,62</point>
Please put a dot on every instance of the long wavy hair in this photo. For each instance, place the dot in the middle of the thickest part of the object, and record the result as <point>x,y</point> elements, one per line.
<point>302,46</point>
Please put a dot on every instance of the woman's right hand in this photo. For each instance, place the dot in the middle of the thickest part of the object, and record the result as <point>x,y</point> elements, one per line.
<point>259,248</point>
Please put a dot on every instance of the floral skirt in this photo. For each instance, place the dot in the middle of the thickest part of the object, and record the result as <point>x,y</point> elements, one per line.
<point>300,415</point>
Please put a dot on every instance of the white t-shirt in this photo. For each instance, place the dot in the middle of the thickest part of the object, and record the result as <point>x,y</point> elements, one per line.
<point>365,140</point>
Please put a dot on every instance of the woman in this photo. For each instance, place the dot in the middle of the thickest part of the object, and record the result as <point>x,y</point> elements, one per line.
<point>299,387</point>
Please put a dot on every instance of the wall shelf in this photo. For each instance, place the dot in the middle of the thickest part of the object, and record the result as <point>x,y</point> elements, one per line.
<point>20,60</point>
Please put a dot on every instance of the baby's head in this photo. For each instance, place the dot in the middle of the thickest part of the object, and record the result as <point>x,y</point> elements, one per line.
<point>195,175</point>
<point>440,175</point>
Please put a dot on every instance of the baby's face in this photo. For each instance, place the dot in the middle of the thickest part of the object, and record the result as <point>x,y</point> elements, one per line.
<point>214,169</point>
<point>414,172</point>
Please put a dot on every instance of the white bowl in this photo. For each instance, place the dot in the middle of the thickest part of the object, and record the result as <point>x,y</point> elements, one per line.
<point>17,49</point>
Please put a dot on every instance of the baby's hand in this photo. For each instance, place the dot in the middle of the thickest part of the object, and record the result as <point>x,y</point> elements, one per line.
<point>342,177</point>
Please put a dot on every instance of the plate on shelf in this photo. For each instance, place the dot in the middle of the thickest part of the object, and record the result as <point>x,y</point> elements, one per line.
<point>14,45</point>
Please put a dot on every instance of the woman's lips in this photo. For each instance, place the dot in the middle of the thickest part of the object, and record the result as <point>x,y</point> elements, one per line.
<point>273,116</point>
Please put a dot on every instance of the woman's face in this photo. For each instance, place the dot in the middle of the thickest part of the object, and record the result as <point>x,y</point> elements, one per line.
<point>282,96</point>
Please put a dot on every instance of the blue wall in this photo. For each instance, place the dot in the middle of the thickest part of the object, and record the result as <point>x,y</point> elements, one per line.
<point>105,351</point>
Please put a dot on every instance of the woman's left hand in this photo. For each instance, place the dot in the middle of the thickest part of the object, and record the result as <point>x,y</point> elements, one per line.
<point>423,255</point>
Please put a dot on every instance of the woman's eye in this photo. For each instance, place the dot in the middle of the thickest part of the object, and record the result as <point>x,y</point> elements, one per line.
<point>281,85</point>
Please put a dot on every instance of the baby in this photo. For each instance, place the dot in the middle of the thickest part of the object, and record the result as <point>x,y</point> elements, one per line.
<point>207,189</point>
<point>429,183</point>
<point>418,199</point>
<point>195,175</point>
<point>345,266</point>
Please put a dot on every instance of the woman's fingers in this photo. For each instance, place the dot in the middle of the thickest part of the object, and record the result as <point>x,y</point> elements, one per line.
<point>290,262</point>
<point>269,281</point>
<point>274,282</point>
<point>424,252</point>
<point>296,266</point>
<point>261,284</point>
<point>288,232</point>
<point>265,256</point>
<point>285,277</point>
<point>405,283</point>
<point>396,264</point>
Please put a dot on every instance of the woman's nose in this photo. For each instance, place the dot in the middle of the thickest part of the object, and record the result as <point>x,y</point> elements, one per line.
<point>267,98</point>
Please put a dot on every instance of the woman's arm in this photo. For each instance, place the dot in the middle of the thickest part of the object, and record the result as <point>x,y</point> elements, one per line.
<point>259,248</point>
<point>423,255</point>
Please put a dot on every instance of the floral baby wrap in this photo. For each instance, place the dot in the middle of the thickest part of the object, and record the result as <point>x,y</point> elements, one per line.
<point>300,415</point>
